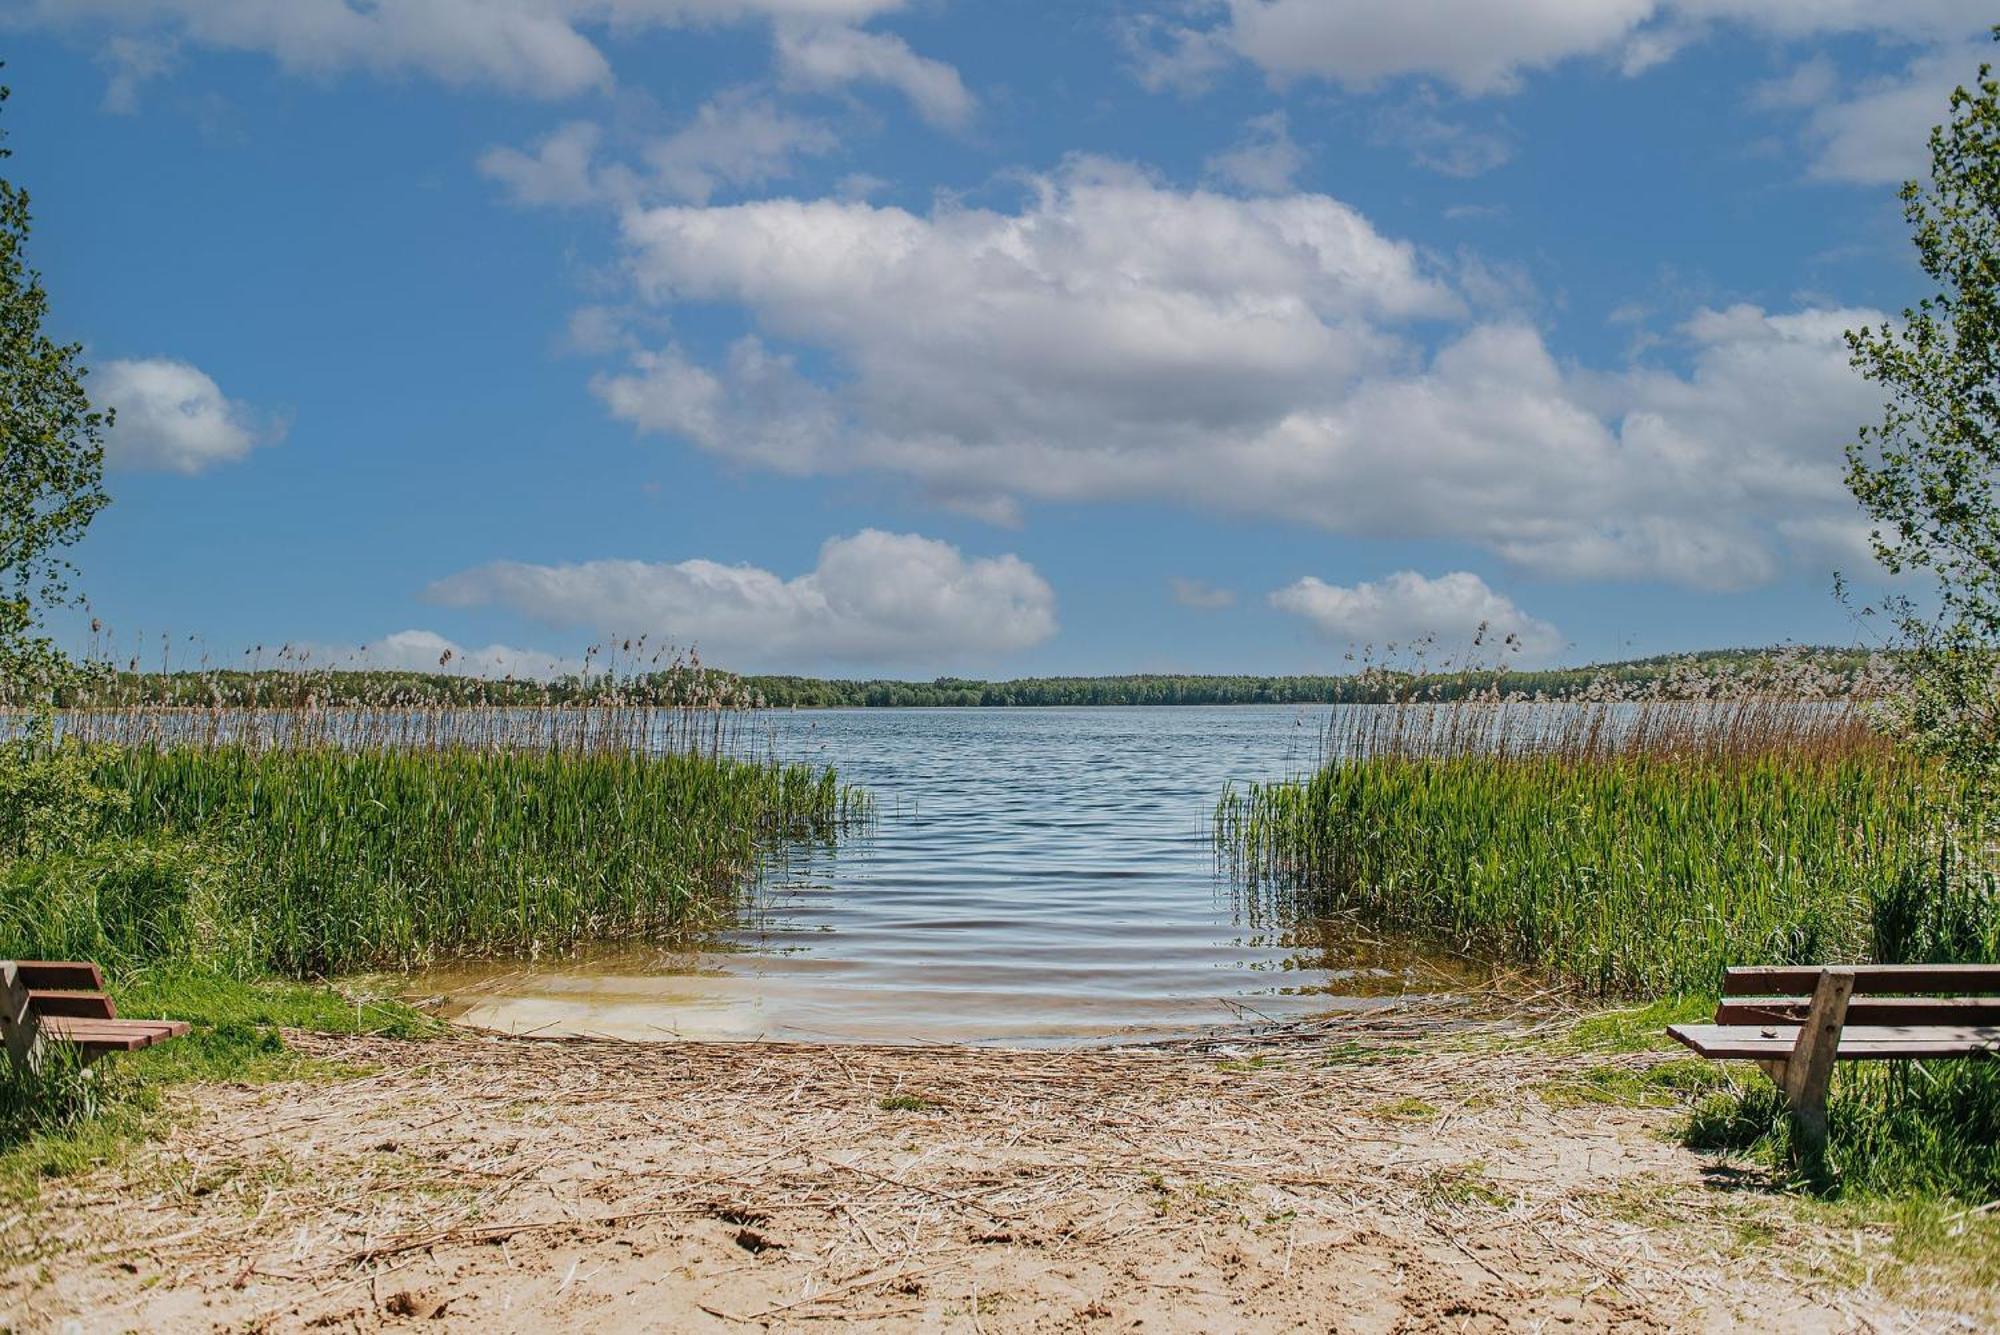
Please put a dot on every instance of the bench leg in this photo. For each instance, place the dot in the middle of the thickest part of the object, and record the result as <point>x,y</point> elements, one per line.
<point>1808,1074</point>
<point>17,1021</point>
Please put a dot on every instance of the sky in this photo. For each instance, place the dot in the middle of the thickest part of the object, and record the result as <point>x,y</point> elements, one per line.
<point>982,337</point>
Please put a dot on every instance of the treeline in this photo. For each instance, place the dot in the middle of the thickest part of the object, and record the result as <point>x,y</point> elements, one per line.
<point>1799,673</point>
<point>1830,672</point>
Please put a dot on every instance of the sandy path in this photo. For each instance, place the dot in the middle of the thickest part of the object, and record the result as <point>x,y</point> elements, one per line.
<point>511,1184</point>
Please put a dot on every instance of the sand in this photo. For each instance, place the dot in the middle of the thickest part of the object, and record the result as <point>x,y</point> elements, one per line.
<point>1395,1172</point>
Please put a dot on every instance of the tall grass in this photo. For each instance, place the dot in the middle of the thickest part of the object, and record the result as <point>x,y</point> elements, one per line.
<point>305,839</point>
<point>349,858</point>
<point>1630,848</point>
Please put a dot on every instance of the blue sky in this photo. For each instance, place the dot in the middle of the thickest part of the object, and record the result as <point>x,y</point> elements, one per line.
<point>858,336</point>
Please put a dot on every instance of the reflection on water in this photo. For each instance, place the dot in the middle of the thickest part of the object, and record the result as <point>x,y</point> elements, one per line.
<point>1035,876</point>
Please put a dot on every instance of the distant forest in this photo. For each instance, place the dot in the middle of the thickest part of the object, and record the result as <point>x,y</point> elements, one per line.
<point>1802,671</point>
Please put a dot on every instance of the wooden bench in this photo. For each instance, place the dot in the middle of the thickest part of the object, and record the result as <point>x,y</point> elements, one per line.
<point>1796,1022</point>
<point>63,1001</point>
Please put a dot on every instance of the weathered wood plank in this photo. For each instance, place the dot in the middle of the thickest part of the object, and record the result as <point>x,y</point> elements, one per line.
<point>84,1005</point>
<point>1868,979</point>
<point>1865,1010</point>
<point>18,1025</point>
<point>1857,1042</point>
<point>60,975</point>
<point>111,1035</point>
<point>1809,1070</point>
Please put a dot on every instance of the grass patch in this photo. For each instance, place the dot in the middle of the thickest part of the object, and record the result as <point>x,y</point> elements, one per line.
<point>1669,1084</point>
<point>320,861</point>
<point>1628,849</point>
<point>1409,1109</point>
<point>904,1103</point>
<point>67,1120</point>
<point>1463,1185</point>
<point>1639,1028</point>
<point>1894,1130</point>
<point>215,864</point>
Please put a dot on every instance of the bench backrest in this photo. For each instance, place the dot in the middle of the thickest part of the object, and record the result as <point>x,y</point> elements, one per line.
<point>1884,994</point>
<point>1869,980</point>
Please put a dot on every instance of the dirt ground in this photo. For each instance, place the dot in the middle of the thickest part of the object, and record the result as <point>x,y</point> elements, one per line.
<point>1372,1174</point>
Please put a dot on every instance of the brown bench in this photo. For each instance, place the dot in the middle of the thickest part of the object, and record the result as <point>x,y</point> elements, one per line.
<point>63,1001</point>
<point>1796,1022</point>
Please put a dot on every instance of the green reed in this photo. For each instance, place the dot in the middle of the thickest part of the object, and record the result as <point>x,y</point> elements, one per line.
<point>1623,851</point>
<point>344,858</point>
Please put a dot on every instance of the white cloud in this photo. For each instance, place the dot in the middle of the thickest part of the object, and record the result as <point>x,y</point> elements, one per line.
<point>428,651</point>
<point>1116,340</point>
<point>1105,299</point>
<point>874,597</point>
<point>1200,594</point>
<point>1265,160</point>
<point>559,171</point>
<point>518,46</point>
<point>531,47</point>
<point>824,58</point>
<point>736,139</point>
<point>1439,144</point>
<point>1457,612</point>
<point>173,416</point>
<point>1877,133</point>
<point>1480,47</point>
<point>130,63</point>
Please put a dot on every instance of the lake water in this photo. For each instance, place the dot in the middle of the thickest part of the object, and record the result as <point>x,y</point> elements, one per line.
<point>1034,876</point>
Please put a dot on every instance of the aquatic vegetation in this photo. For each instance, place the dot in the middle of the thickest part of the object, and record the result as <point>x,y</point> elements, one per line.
<point>1630,848</point>
<point>347,858</point>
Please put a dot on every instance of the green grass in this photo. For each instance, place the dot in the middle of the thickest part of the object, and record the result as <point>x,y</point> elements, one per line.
<point>1625,875</point>
<point>904,1103</point>
<point>1668,1084</point>
<point>1925,1130</point>
<point>321,861</point>
<point>62,1121</point>
<point>222,884</point>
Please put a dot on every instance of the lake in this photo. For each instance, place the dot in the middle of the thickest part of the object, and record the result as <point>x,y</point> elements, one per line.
<point>1034,876</point>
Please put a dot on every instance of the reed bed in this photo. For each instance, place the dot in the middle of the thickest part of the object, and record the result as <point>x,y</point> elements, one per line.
<point>1627,847</point>
<point>352,858</point>
<point>310,841</point>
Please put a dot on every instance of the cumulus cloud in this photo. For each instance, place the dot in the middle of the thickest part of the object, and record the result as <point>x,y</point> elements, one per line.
<point>1200,594</point>
<point>874,597</point>
<point>537,48</point>
<point>1264,160</point>
<point>428,651</point>
<point>558,171</point>
<point>736,139</point>
<point>1113,339</point>
<point>824,58</point>
<point>1459,612</point>
<point>173,416</point>
<point>1106,299</point>
<point>1480,47</point>
<point>1877,132</point>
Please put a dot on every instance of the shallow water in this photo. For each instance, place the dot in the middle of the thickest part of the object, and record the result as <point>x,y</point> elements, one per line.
<point>1035,876</point>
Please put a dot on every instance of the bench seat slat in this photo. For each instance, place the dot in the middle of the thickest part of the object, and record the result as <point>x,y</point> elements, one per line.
<point>1871,1042</point>
<point>83,1005</point>
<point>1869,979</point>
<point>111,1035</point>
<point>1864,1010</point>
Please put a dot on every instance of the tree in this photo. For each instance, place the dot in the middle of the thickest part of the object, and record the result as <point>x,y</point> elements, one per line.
<point>51,458</point>
<point>1928,474</point>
